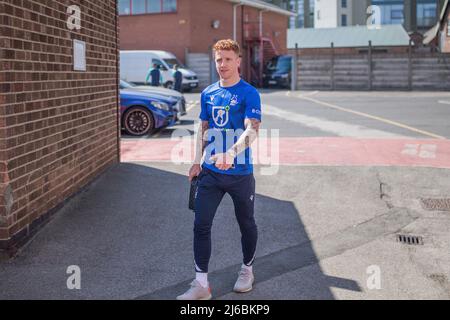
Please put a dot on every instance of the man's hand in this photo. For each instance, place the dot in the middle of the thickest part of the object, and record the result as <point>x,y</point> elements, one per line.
<point>194,171</point>
<point>223,161</point>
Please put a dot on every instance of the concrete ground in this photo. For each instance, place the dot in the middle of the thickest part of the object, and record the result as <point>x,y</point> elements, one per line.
<point>328,224</point>
<point>320,229</point>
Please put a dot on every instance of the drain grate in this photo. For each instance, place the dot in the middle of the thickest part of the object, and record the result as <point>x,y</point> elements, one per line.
<point>409,239</point>
<point>436,204</point>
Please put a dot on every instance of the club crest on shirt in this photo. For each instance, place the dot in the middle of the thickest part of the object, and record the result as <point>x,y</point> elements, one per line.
<point>220,116</point>
<point>234,100</point>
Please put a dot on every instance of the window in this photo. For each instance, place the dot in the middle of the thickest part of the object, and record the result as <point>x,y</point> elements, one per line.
<point>172,62</point>
<point>153,6</point>
<point>391,11</point>
<point>160,64</point>
<point>169,5</point>
<point>427,13</point>
<point>124,7</point>
<point>127,7</point>
<point>344,20</point>
<point>396,14</point>
<point>448,28</point>
<point>344,3</point>
<point>138,6</point>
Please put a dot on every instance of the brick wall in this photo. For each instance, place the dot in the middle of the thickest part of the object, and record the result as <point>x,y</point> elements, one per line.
<point>190,27</point>
<point>167,31</point>
<point>58,127</point>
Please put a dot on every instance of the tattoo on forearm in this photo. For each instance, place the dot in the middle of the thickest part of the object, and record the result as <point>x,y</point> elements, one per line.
<point>248,137</point>
<point>202,140</point>
<point>204,134</point>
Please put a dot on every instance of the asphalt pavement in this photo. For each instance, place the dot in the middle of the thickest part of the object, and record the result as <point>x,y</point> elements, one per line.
<point>326,231</point>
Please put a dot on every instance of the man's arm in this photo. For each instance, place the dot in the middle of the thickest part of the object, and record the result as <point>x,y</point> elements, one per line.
<point>148,76</point>
<point>202,140</point>
<point>247,138</point>
<point>225,161</point>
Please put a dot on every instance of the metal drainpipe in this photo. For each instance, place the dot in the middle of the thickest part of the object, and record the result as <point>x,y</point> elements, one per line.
<point>261,49</point>
<point>234,20</point>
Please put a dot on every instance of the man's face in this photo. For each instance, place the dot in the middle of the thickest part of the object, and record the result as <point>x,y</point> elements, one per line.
<point>227,63</point>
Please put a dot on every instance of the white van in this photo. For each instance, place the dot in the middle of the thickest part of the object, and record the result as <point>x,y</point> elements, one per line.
<point>135,65</point>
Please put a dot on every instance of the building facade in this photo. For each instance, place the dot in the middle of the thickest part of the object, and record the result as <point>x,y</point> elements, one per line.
<point>189,28</point>
<point>414,15</point>
<point>59,108</point>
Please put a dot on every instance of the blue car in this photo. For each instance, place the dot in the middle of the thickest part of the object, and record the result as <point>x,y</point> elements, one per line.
<point>142,112</point>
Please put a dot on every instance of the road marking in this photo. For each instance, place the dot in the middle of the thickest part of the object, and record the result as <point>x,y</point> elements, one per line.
<point>192,105</point>
<point>309,94</point>
<point>424,151</point>
<point>394,123</point>
<point>288,94</point>
<point>444,102</point>
<point>335,127</point>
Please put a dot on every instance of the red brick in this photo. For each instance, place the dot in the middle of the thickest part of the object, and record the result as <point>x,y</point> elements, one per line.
<point>171,34</point>
<point>47,110</point>
<point>4,233</point>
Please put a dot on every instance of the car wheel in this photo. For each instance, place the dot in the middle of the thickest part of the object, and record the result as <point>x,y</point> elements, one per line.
<point>169,85</point>
<point>138,121</point>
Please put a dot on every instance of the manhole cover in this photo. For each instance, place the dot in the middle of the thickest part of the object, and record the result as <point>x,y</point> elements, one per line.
<point>436,204</point>
<point>409,239</point>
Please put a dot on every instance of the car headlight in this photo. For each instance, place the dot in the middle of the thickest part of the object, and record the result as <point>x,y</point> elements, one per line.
<point>160,105</point>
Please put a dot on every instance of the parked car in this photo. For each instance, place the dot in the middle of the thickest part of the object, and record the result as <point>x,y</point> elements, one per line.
<point>278,72</point>
<point>142,112</point>
<point>180,106</point>
<point>134,67</point>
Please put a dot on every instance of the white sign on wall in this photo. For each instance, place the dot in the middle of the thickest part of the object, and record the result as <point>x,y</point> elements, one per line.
<point>79,55</point>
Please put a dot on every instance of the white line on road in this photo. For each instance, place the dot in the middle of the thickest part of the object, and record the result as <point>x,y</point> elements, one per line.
<point>309,94</point>
<point>394,123</point>
<point>192,105</point>
<point>335,127</point>
<point>444,102</point>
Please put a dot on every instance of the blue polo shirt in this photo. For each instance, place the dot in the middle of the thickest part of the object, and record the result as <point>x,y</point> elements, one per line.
<point>226,108</point>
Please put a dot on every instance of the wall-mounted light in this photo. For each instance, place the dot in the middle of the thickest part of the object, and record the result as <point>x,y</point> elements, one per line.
<point>215,24</point>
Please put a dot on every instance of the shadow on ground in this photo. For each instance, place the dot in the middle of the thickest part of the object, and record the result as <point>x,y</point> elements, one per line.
<point>130,232</point>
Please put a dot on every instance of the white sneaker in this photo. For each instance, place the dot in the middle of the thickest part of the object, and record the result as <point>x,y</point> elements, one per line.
<point>244,281</point>
<point>196,292</point>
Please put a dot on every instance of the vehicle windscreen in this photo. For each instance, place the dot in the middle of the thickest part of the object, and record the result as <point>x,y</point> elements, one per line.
<point>172,62</point>
<point>126,85</point>
<point>283,65</point>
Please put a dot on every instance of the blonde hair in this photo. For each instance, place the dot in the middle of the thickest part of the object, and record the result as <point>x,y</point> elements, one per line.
<point>229,45</point>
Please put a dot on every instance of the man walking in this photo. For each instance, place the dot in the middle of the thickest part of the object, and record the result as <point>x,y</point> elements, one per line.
<point>230,119</point>
<point>178,79</point>
<point>155,74</point>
